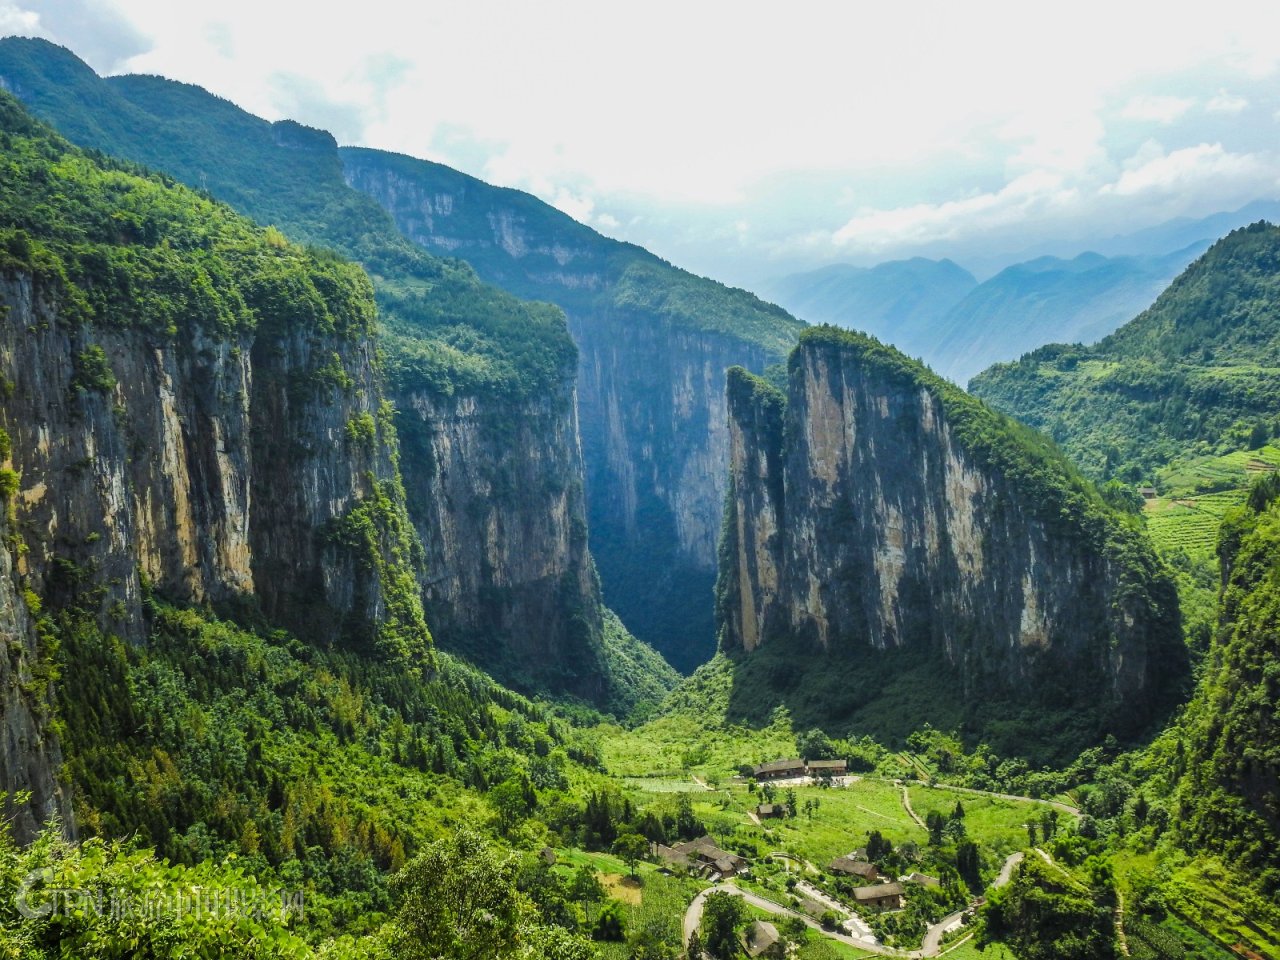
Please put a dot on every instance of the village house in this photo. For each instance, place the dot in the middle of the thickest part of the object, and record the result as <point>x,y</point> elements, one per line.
<point>700,857</point>
<point>795,769</point>
<point>761,939</point>
<point>854,868</point>
<point>883,896</point>
<point>767,811</point>
<point>922,879</point>
<point>780,770</point>
<point>826,768</point>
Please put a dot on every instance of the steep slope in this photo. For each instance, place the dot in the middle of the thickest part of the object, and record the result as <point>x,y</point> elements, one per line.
<point>654,342</point>
<point>900,302</point>
<point>482,384</point>
<point>881,517</point>
<point>1197,373</point>
<point>191,406</point>
<point>1229,797</point>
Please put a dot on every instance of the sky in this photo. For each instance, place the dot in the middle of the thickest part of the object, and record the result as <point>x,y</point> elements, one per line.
<point>746,140</point>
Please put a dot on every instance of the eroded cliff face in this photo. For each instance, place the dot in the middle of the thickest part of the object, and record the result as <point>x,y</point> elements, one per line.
<point>495,491</point>
<point>650,383</point>
<point>30,758</point>
<point>656,446</point>
<point>217,469</point>
<point>862,516</point>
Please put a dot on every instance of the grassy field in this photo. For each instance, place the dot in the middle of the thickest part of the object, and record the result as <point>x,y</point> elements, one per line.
<point>1203,894</point>
<point>842,821</point>
<point>998,826</point>
<point>679,744</point>
<point>969,951</point>
<point>1190,524</point>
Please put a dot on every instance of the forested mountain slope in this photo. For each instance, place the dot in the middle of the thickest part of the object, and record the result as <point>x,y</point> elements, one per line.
<point>1197,373</point>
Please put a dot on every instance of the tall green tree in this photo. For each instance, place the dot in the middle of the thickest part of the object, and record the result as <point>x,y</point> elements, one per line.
<point>458,902</point>
<point>632,848</point>
<point>722,914</point>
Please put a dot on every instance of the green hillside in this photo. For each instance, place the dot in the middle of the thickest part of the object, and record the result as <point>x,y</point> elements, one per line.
<point>1231,793</point>
<point>452,332</point>
<point>1197,374</point>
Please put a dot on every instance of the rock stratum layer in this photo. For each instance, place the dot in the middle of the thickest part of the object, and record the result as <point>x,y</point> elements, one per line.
<point>877,507</point>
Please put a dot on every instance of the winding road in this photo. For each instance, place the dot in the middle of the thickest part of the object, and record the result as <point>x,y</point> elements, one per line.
<point>931,947</point>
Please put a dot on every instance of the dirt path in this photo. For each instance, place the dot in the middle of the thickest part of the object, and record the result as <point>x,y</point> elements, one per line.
<point>882,816</point>
<point>1121,939</point>
<point>1056,804</point>
<point>932,944</point>
<point>906,802</point>
<point>1006,872</point>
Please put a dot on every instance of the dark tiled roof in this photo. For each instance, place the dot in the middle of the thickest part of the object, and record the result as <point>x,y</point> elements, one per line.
<point>880,891</point>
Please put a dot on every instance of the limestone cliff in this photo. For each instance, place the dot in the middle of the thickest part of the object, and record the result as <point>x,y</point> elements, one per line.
<point>654,342</point>
<point>495,491</point>
<point>878,507</point>
<point>214,469</point>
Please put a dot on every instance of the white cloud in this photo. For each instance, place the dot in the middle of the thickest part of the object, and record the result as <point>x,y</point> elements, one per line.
<point>1022,198</point>
<point>1156,171</point>
<point>14,20</point>
<point>1156,109</point>
<point>1226,103</point>
<point>955,119</point>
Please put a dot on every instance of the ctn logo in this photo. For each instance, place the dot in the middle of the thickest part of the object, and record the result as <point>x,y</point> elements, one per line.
<point>23,898</point>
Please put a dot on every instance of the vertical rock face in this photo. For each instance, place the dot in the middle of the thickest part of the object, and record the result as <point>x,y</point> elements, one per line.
<point>655,444</point>
<point>495,492</point>
<point>29,755</point>
<point>876,506</point>
<point>213,468</point>
<point>654,343</point>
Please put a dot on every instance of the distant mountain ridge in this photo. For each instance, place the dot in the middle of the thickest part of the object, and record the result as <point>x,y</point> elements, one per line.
<point>1197,373</point>
<point>900,300</point>
<point>936,311</point>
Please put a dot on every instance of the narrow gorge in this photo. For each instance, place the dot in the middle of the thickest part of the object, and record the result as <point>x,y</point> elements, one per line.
<point>654,343</point>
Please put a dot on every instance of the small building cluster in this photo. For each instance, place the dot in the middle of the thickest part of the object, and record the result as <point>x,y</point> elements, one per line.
<point>795,769</point>
<point>700,857</point>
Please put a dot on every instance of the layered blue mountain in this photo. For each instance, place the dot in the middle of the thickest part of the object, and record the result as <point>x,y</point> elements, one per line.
<point>935,310</point>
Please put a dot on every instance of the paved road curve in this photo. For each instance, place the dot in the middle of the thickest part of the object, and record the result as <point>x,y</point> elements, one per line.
<point>931,946</point>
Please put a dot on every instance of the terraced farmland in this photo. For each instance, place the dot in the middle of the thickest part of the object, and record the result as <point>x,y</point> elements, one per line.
<point>1196,494</point>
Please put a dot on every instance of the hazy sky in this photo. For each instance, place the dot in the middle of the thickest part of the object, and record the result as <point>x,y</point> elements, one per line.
<point>745,139</point>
